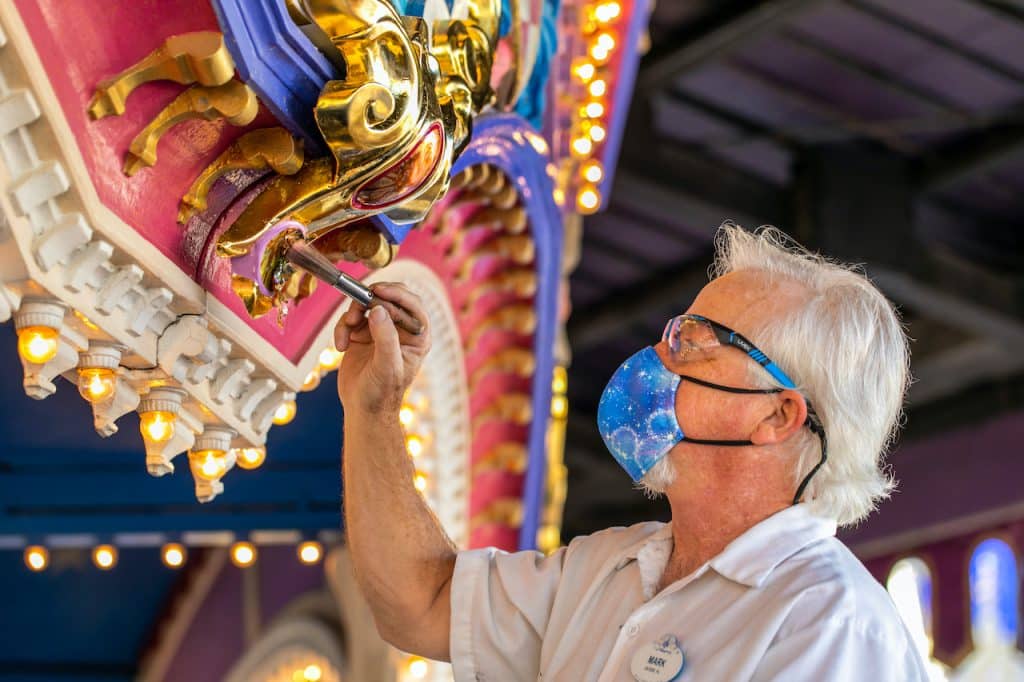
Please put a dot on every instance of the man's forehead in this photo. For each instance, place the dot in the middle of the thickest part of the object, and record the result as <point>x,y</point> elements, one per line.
<point>744,299</point>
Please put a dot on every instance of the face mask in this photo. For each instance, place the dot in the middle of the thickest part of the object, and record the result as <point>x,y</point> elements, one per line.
<point>637,412</point>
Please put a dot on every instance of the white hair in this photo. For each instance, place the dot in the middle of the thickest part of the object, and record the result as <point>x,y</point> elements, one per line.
<point>847,352</point>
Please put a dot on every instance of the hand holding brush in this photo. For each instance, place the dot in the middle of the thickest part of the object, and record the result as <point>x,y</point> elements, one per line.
<point>303,255</point>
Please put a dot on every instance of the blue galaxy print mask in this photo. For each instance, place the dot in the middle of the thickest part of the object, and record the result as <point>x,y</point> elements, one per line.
<point>637,413</point>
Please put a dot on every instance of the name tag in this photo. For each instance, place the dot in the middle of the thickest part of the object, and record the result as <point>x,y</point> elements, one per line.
<point>660,661</point>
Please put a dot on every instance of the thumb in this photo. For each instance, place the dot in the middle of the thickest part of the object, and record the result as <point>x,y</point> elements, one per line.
<point>387,352</point>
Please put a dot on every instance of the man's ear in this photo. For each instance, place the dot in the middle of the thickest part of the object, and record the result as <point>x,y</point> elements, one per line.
<point>784,417</point>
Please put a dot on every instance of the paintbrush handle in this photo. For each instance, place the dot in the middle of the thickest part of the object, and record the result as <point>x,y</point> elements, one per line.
<point>401,317</point>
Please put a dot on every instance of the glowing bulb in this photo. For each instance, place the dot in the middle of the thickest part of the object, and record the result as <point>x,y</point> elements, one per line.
<point>418,668</point>
<point>406,415</point>
<point>284,413</point>
<point>414,445</point>
<point>606,41</point>
<point>560,381</point>
<point>311,381</point>
<point>599,53</point>
<point>582,146</point>
<point>558,194</point>
<point>104,556</point>
<point>420,481</point>
<point>96,384</point>
<point>594,110</point>
<point>596,132</point>
<point>173,555</point>
<point>209,465</point>
<point>310,552</point>
<point>157,426</point>
<point>588,200</point>
<point>37,344</point>
<point>243,554</point>
<point>607,12</point>
<point>250,458</point>
<point>312,673</point>
<point>559,407</point>
<point>330,359</point>
<point>597,88</point>
<point>36,558</point>
<point>584,71</point>
<point>593,172</point>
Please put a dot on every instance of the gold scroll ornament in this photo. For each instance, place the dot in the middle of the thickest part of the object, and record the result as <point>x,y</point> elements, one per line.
<point>393,125</point>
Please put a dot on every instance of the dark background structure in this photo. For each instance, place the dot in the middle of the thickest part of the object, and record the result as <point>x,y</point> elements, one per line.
<point>884,132</point>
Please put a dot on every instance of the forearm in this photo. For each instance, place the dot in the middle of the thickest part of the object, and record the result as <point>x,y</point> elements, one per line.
<point>402,557</point>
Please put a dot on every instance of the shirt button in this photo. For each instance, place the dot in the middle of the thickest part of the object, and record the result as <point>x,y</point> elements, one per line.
<point>632,629</point>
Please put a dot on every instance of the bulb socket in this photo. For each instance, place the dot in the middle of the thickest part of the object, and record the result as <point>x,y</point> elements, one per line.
<point>162,399</point>
<point>36,313</point>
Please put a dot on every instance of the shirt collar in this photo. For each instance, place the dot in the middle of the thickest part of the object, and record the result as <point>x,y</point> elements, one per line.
<point>751,558</point>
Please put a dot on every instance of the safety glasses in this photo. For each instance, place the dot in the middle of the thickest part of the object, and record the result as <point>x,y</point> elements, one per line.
<point>687,333</point>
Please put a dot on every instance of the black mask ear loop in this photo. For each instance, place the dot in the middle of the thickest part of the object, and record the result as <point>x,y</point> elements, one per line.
<point>814,424</point>
<point>727,389</point>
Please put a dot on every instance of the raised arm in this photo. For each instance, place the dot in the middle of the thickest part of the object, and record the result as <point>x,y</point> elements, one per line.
<point>402,557</point>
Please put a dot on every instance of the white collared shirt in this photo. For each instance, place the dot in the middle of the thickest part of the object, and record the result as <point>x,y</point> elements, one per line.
<point>784,601</point>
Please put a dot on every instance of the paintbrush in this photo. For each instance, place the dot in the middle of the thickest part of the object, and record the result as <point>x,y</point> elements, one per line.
<point>303,255</point>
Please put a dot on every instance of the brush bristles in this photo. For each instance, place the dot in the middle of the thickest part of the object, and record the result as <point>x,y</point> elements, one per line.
<point>303,255</point>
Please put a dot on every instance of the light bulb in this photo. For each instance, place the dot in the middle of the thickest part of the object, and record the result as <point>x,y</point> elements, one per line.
<point>584,70</point>
<point>37,344</point>
<point>104,556</point>
<point>582,146</point>
<point>414,445</point>
<point>250,458</point>
<point>559,381</point>
<point>406,415</point>
<point>96,384</point>
<point>607,12</point>
<point>37,558</point>
<point>310,552</point>
<point>599,53</point>
<point>592,172</point>
<point>330,359</point>
<point>588,200</point>
<point>243,554</point>
<point>419,480</point>
<point>157,426</point>
<point>311,381</point>
<point>418,668</point>
<point>173,555</point>
<point>312,673</point>
<point>596,132</point>
<point>559,407</point>
<point>558,194</point>
<point>208,465</point>
<point>597,88</point>
<point>285,412</point>
<point>606,41</point>
<point>594,110</point>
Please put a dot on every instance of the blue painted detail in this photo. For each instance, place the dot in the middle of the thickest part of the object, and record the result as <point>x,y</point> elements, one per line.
<point>277,61</point>
<point>530,104</point>
<point>994,590</point>
<point>500,140</point>
<point>394,232</point>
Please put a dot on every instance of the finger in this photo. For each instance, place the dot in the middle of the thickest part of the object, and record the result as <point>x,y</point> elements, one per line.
<point>402,296</point>
<point>387,354</point>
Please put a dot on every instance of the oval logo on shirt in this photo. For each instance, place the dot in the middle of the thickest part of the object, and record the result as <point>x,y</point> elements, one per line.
<point>660,661</point>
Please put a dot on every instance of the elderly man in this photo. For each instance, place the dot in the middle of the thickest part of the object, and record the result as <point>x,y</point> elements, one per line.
<point>762,415</point>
